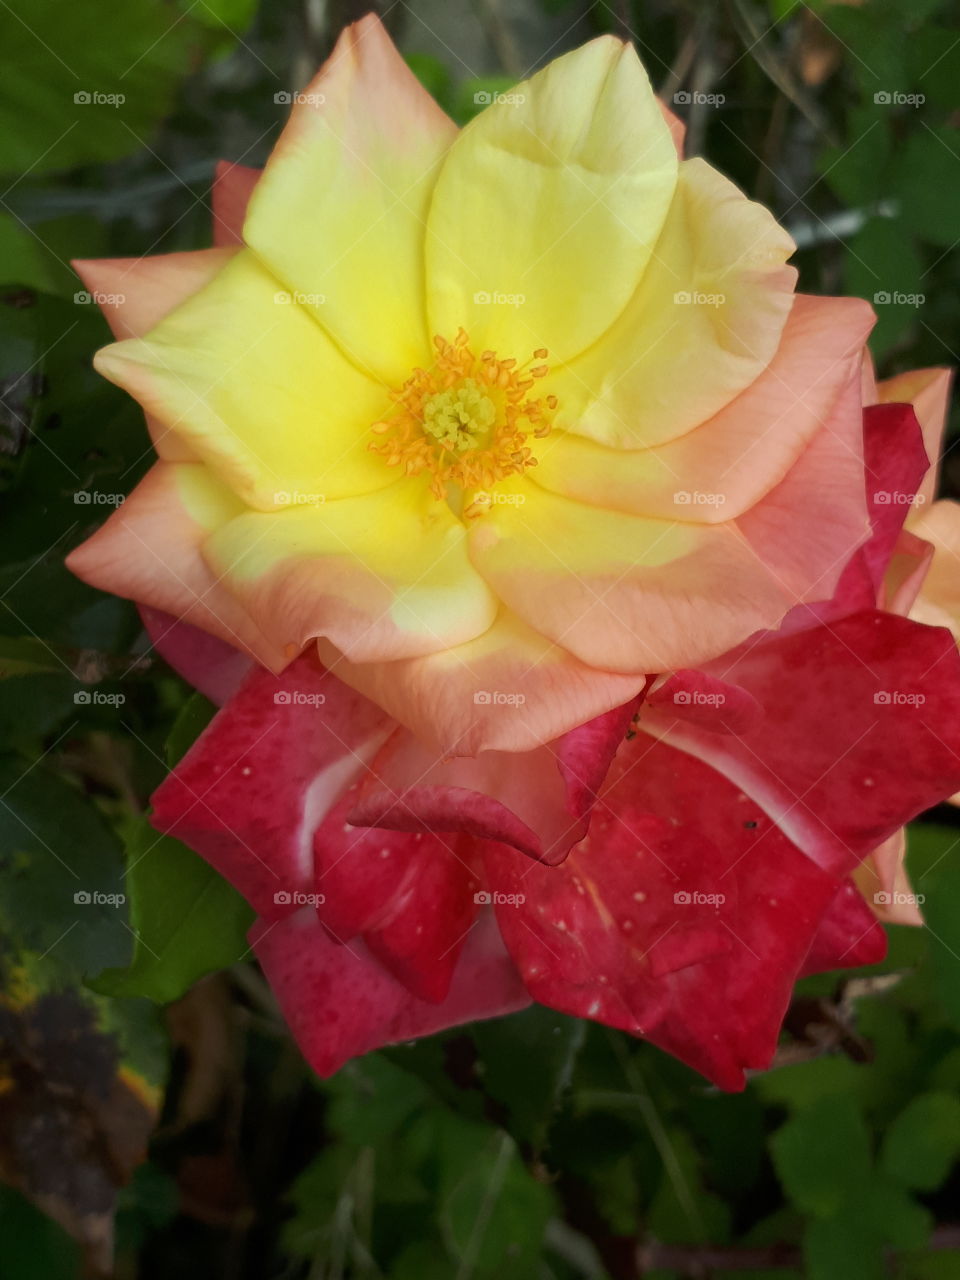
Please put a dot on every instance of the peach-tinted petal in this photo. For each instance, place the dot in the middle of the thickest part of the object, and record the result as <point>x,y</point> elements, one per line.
<point>703,324</point>
<point>382,576</point>
<point>928,390</point>
<point>135,294</point>
<point>807,528</point>
<point>232,188</point>
<point>508,690</point>
<point>556,195</point>
<point>678,130</point>
<point>882,879</point>
<point>149,551</point>
<point>741,453</point>
<point>939,601</point>
<point>355,168</point>
<point>245,376</point>
<point>620,592</point>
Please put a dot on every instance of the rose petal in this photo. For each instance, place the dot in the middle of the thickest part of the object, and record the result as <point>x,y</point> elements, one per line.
<point>340,1003</point>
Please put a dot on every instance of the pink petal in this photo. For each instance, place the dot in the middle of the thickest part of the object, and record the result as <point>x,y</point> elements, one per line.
<point>537,801</point>
<point>252,790</point>
<point>212,666</point>
<point>340,1003</point>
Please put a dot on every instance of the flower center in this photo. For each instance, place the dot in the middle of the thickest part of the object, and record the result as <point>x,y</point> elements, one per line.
<point>466,421</point>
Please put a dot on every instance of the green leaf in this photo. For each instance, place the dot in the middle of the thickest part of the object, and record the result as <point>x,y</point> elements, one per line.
<point>933,862</point>
<point>193,717</point>
<point>86,83</point>
<point>923,1142</point>
<point>492,1212</point>
<point>926,177</point>
<point>842,1248</point>
<point>187,920</point>
<point>822,1156</point>
<point>882,264</point>
<point>61,878</point>
<point>526,1063</point>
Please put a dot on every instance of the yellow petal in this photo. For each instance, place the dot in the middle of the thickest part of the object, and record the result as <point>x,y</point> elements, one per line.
<point>135,294</point>
<point>341,206</point>
<point>382,576</point>
<point>254,386</point>
<point>704,323</point>
<point>549,204</point>
<point>729,462</point>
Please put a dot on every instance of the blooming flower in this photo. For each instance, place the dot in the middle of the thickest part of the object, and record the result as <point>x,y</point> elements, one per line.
<point>525,408</point>
<point>529,529</point>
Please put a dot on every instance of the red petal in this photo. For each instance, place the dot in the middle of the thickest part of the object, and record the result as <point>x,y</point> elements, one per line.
<point>211,665</point>
<point>861,731</point>
<point>618,933</point>
<point>252,789</point>
<point>340,1003</point>
<point>849,934</point>
<point>410,895</point>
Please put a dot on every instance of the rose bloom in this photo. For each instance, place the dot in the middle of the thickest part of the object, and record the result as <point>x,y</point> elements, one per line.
<point>535,538</point>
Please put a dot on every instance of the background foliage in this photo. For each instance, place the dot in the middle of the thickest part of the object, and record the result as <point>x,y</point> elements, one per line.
<point>529,1147</point>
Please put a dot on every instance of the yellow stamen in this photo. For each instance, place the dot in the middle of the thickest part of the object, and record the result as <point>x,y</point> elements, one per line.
<point>466,420</point>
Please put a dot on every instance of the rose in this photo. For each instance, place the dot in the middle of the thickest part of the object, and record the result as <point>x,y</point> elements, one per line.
<point>423,576</point>
<point>640,862</point>
<point>797,782</point>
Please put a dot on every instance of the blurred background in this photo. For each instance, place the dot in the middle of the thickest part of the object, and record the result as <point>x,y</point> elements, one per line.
<point>155,1119</point>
